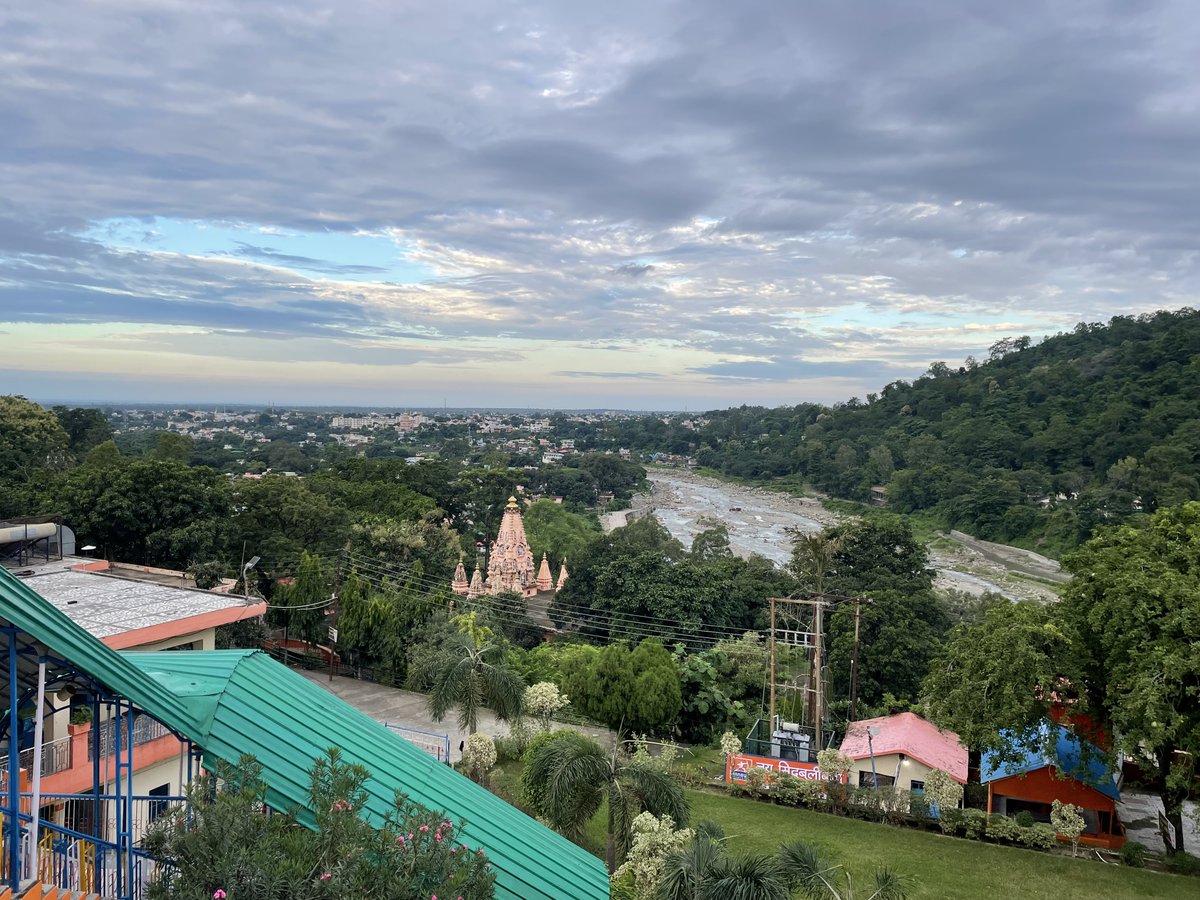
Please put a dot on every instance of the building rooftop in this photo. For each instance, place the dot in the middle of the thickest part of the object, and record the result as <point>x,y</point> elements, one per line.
<point>913,736</point>
<point>124,612</point>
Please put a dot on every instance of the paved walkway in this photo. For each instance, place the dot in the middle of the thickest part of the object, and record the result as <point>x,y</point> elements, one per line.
<point>399,707</point>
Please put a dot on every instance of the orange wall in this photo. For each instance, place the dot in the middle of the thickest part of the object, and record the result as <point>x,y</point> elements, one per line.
<point>78,778</point>
<point>1044,786</point>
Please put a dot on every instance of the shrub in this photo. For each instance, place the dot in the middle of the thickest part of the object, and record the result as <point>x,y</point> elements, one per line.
<point>1066,820</point>
<point>894,804</point>
<point>730,743</point>
<point>943,790</point>
<point>543,700</point>
<point>1040,837</point>
<point>479,756</point>
<point>1025,819</point>
<point>1002,828</point>
<point>757,781</point>
<point>788,790</point>
<point>1133,855</point>
<point>950,820</point>
<point>654,840</point>
<point>918,807</point>
<point>223,845</point>
<point>974,823</point>
<point>1184,864</point>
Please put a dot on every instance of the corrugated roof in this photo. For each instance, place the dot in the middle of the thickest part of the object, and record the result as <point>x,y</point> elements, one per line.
<point>299,721</point>
<point>236,702</point>
<point>1069,758</point>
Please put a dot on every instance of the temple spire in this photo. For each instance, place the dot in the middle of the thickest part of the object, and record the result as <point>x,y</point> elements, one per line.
<point>476,589</point>
<point>511,565</point>
<point>562,575</point>
<point>544,581</point>
<point>460,585</point>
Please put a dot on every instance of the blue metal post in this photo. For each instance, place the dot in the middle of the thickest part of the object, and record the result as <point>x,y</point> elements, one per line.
<point>120,807</point>
<point>97,787</point>
<point>14,772</point>
<point>129,719</point>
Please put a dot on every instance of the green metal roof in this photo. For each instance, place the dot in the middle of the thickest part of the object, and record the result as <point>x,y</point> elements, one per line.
<point>234,702</point>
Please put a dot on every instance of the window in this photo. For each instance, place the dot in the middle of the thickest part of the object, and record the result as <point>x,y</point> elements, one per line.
<point>918,787</point>
<point>158,807</point>
<point>866,779</point>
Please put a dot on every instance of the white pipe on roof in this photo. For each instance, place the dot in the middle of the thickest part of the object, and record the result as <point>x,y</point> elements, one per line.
<point>14,533</point>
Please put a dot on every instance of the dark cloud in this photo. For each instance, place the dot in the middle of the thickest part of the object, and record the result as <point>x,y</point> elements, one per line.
<point>876,185</point>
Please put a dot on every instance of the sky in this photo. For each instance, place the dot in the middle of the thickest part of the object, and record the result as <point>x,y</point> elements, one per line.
<point>650,205</point>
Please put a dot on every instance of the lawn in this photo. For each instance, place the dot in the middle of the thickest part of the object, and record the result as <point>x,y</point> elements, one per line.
<point>940,867</point>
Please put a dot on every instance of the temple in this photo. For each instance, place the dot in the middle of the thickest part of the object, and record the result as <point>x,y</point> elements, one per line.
<point>511,566</point>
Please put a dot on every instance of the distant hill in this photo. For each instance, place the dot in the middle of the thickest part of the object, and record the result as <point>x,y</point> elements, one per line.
<point>1035,446</point>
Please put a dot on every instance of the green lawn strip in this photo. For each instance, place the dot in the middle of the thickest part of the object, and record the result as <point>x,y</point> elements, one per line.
<point>941,867</point>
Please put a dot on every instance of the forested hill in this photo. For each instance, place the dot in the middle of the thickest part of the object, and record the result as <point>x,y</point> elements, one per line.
<point>1035,446</point>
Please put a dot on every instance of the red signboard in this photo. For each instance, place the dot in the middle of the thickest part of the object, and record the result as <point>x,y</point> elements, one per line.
<point>738,764</point>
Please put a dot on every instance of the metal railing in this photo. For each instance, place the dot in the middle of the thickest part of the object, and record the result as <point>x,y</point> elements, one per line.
<point>56,757</point>
<point>145,730</point>
<point>436,745</point>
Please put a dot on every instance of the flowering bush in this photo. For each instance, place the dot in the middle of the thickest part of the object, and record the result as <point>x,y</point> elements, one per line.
<point>543,700</point>
<point>730,743</point>
<point>224,847</point>
<point>1066,820</point>
<point>943,791</point>
<point>654,840</point>
<point>479,756</point>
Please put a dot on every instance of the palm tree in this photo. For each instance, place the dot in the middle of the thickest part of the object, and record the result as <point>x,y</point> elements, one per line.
<point>470,675</point>
<point>567,776</point>
<point>703,871</point>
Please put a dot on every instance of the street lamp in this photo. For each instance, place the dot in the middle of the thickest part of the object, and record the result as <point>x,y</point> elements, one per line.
<point>246,576</point>
<point>871,732</point>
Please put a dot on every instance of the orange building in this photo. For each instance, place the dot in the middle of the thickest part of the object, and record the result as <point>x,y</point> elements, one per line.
<point>1073,772</point>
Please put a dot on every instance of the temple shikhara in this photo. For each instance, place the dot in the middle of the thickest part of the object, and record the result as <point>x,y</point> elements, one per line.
<point>511,567</point>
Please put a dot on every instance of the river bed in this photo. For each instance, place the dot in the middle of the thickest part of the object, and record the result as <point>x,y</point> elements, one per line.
<point>762,521</point>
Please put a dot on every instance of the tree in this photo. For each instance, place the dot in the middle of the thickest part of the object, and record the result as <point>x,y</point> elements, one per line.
<point>552,528</point>
<point>636,690</point>
<point>1067,821</point>
<point>32,445</point>
<point>85,428</point>
<point>472,673</point>
<point>543,700</point>
<point>1131,615</point>
<point>300,607</point>
<point>654,841</point>
<point>169,445</point>
<point>568,776</point>
<point>942,790</point>
<point>711,543</point>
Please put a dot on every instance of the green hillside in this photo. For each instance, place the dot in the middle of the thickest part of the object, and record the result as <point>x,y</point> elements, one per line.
<point>1036,445</point>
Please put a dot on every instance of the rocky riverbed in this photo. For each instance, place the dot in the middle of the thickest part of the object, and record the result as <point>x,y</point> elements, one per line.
<point>761,521</point>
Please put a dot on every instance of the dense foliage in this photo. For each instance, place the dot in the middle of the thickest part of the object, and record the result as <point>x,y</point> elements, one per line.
<point>223,845</point>
<point>1036,445</point>
<point>1122,652</point>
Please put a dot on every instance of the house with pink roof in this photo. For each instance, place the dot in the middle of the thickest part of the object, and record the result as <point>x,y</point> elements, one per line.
<point>905,749</point>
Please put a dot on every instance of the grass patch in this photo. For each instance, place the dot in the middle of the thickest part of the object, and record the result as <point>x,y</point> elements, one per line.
<point>940,866</point>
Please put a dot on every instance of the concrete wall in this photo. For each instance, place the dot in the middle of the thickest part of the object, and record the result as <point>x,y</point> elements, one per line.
<point>904,771</point>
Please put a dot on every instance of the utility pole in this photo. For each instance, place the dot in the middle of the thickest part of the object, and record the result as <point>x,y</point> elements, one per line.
<point>818,640</point>
<point>333,632</point>
<point>771,718</point>
<point>854,663</point>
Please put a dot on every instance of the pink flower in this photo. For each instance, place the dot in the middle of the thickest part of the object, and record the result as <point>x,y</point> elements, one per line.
<point>326,876</point>
<point>424,827</point>
<point>438,836</point>
<point>218,894</point>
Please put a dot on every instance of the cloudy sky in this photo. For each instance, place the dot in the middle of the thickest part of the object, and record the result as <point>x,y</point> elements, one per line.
<point>647,204</point>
